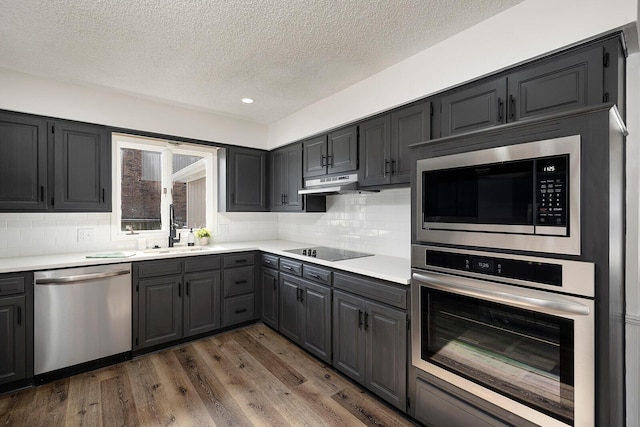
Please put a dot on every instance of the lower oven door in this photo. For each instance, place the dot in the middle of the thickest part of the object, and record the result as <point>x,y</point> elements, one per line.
<point>530,352</point>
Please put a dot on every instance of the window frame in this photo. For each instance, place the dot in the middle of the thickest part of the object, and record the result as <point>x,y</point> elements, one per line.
<point>166,148</point>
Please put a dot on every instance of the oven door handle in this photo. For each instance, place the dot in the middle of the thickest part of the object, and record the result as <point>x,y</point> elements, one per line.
<point>544,305</point>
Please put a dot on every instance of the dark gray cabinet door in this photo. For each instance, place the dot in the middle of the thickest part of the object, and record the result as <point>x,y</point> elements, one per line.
<point>23,163</point>
<point>82,167</point>
<point>290,314</point>
<point>386,364</point>
<point>314,157</point>
<point>474,107</point>
<point>286,179</point>
<point>409,125</point>
<point>375,151</point>
<point>557,84</point>
<point>159,310</point>
<point>269,294</point>
<point>13,339</point>
<point>315,302</point>
<point>349,335</point>
<point>246,180</point>
<point>202,303</point>
<point>342,150</point>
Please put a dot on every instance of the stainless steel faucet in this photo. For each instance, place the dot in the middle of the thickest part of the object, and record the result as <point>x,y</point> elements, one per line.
<point>172,227</point>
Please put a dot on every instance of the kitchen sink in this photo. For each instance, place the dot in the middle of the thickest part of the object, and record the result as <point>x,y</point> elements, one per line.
<point>174,250</point>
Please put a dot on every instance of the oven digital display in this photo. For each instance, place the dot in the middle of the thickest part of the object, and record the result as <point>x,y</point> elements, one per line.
<point>483,265</point>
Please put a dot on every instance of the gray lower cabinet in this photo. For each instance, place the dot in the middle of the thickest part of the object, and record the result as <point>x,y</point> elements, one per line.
<point>175,299</point>
<point>370,338</point>
<point>370,345</point>
<point>269,297</point>
<point>16,327</point>
<point>305,314</point>
<point>238,288</point>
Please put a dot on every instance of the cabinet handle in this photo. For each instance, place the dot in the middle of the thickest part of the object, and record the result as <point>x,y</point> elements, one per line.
<point>19,315</point>
<point>42,193</point>
<point>275,284</point>
<point>500,110</point>
<point>366,321</point>
<point>284,198</point>
<point>386,163</point>
<point>103,195</point>
<point>241,282</point>
<point>286,267</point>
<point>179,289</point>
<point>315,276</point>
<point>512,107</point>
<point>322,164</point>
<point>240,261</point>
<point>359,319</point>
<point>241,310</point>
<point>330,160</point>
<point>301,295</point>
<point>393,166</point>
<point>186,291</point>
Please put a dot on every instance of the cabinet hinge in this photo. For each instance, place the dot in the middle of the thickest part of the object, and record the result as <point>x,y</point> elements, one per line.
<point>605,59</point>
<point>605,97</point>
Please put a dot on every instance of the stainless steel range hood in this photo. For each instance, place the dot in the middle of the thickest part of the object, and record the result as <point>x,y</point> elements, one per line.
<point>341,184</point>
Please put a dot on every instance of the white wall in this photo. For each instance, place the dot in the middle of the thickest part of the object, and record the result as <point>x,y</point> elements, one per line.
<point>527,30</point>
<point>28,94</point>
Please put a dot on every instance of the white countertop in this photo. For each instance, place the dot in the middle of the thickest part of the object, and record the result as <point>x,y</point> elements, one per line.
<point>392,269</point>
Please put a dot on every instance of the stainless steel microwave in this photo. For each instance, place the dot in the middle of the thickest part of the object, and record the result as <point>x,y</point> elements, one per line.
<point>520,197</point>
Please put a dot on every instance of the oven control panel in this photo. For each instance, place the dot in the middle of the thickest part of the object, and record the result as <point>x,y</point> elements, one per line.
<point>539,272</point>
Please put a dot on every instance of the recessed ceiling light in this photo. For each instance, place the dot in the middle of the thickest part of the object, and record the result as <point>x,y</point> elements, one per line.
<point>247,100</point>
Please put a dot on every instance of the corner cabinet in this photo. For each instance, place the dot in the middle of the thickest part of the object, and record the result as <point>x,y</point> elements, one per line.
<point>336,152</point>
<point>243,180</point>
<point>385,157</point>
<point>53,165</point>
<point>286,178</point>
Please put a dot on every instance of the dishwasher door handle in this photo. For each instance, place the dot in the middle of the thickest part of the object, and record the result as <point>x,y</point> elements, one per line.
<point>79,278</point>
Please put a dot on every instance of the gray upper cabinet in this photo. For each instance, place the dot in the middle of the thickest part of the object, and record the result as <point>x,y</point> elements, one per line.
<point>245,180</point>
<point>551,85</point>
<point>82,167</point>
<point>336,152</point>
<point>385,157</point>
<point>286,178</point>
<point>75,176</point>
<point>23,162</point>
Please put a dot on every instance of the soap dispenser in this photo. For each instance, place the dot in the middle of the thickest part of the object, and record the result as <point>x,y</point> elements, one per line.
<point>191,239</point>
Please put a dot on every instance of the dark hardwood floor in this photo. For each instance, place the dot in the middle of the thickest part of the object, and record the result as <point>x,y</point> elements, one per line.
<point>249,376</point>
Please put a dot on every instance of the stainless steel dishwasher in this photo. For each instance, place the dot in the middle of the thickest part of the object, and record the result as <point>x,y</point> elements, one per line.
<point>81,315</point>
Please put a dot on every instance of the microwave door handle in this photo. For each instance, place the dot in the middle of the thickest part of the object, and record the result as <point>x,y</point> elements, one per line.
<point>548,306</point>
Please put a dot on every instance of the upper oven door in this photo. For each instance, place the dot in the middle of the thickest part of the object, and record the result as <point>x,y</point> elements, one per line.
<point>527,195</point>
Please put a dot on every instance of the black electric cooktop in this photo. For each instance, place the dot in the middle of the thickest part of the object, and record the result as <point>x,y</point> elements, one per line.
<point>328,254</point>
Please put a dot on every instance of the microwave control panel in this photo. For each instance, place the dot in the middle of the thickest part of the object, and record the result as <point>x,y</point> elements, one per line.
<point>551,188</point>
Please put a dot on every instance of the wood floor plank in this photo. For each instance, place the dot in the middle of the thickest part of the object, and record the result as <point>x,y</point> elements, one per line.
<point>248,376</point>
<point>84,406</point>
<point>118,405</point>
<point>222,408</point>
<point>181,394</point>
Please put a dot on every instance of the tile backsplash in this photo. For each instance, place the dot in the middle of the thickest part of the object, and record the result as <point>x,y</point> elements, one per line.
<point>371,222</point>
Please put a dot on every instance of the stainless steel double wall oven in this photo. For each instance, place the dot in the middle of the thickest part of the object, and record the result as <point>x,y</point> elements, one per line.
<point>517,268</point>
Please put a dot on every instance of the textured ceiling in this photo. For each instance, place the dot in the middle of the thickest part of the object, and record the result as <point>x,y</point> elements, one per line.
<point>208,54</point>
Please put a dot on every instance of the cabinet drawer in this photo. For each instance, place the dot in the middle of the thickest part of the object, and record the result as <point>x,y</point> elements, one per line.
<point>238,260</point>
<point>11,285</point>
<point>163,267</point>
<point>238,281</point>
<point>270,261</point>
<point>317,274</point>
<point>377,290</point>
<point>291,267</point>
<point>238,309</point>
<point>201,263</point>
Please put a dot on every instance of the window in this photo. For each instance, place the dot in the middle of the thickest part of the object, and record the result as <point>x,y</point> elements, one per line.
<point>154,174</point>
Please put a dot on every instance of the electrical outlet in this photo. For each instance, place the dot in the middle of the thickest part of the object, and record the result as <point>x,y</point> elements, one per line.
<point>85,234</point>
